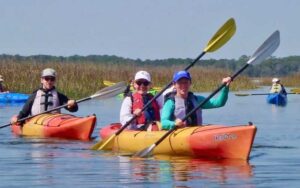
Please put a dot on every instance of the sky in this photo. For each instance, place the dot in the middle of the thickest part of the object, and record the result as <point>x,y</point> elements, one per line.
<point>145,29</point>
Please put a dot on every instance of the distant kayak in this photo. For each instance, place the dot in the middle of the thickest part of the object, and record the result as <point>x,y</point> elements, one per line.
<point>152,91</point>
<point>277,99</point>
<point>295,90</point>
<point>110,83</point>
<point>13,97</point>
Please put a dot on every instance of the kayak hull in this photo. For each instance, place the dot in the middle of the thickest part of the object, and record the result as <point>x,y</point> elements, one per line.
<point>13,97</point>
<point>213,141</point>
<point>277,99</point>
<point>57,125</point>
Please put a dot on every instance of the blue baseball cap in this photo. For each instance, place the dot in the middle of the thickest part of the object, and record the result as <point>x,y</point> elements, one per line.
<point>181,74</point>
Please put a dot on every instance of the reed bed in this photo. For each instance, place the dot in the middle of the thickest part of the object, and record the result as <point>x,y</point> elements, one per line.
<point>288,81</point>
<point>79,80</point>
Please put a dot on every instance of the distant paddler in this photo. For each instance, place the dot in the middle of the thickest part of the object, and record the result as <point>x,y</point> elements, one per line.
<point>277,87</point>
<point>2,88</point>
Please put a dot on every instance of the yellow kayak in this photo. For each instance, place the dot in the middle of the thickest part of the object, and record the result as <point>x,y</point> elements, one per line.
<point>153,90</point>
<point>213,141</point>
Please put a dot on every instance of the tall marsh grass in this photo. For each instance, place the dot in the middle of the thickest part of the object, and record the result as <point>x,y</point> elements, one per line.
<point>288,81</point>
<point>79,80</point>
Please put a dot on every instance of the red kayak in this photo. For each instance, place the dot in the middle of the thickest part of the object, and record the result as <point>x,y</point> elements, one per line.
<point>57,125</point>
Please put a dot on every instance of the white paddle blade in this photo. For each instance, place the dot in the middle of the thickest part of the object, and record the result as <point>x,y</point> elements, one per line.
<point>145,152</point>
<point>266,49</point>
<point>110,91</point>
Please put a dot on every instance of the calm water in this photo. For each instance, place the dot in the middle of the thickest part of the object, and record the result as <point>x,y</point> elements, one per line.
<point>274,160</point>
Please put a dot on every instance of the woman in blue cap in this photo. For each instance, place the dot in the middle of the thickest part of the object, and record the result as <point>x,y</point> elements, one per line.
<point>182,101</point>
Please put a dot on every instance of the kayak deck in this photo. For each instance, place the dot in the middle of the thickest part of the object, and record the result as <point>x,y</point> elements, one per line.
<point>57,125</point>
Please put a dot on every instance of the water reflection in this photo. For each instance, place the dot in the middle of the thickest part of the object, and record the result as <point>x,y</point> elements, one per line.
<point>52,161</point>
<point>165,169</point>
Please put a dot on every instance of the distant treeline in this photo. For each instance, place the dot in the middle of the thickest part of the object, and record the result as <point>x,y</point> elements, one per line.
<point>269,68</point>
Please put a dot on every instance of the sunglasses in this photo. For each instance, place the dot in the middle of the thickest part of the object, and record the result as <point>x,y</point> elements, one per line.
<point>49,79</point>
<point>145,83</point>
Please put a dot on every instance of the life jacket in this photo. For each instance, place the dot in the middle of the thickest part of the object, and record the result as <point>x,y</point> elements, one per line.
<point>276,88</point>
<point>45,100</point>
<point>151,113</point>
<point>184,106</point>
<point>1,88</point>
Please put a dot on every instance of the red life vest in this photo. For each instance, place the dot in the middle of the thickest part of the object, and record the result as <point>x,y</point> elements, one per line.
<point>151,113</point>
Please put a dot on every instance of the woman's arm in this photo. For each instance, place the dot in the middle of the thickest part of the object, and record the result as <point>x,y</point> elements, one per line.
<point>126,110</point>
<point>216,102</point>
<point>167,115</point>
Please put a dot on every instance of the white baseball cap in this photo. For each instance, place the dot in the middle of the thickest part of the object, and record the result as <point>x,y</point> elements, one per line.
<point>274,80</point>
<point>48,72</point>
<point>142,75</point>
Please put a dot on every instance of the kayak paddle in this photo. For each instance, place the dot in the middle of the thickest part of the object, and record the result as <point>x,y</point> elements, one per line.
<point>101,94</point>
<point>217,41</point>
<point>265,50</point>
<point>250,94</point>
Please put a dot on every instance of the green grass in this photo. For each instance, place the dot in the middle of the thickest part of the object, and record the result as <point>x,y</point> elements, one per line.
<point>78,80</point>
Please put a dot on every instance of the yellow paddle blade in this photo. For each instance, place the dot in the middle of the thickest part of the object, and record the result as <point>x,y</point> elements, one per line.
<point>222,36</point>
<point>108,83</point>
<point>97,145</point>
<point>157,88</point>
<point>241,94</point>
<point>295,90</point>
<point>106,144</point>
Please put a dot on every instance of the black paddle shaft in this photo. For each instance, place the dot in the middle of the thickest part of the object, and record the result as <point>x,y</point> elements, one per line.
<point>268,93</point>
<point>214,93</point>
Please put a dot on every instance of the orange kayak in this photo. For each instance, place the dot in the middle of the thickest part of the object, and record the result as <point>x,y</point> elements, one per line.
<point>57,125</point>
<point>211,141</point>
